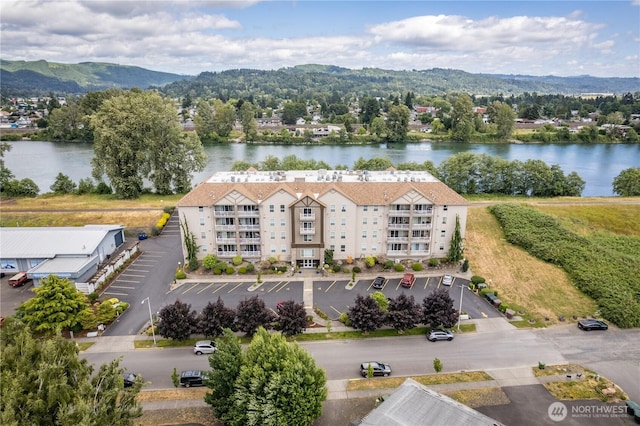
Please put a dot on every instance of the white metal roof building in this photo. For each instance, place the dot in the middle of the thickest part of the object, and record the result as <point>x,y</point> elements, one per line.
<point>69,252</point>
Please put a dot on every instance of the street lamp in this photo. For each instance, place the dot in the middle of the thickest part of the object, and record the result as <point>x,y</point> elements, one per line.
<point>460,310</point>
<point>153,331</point>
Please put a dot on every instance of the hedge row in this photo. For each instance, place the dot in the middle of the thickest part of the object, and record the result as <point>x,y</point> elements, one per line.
<point>603,267</point>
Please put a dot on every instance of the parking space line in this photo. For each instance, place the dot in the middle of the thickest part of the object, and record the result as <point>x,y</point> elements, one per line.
<point>285,284</point>
<point>120,280</point>
<point>190,288</point>
<point>115,293</point>
<point>137,270</point>
<point>339,312</point>
<point>205,288</point>
<point>121,286</point>
<point>239,284</point>
<point>219,288</point>
<point>126,274</point>
<point>276,285</point>
<point>331,285</point>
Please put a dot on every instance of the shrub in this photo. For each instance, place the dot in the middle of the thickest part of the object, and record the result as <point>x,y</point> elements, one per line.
<point>336,268</point>
<point>349,260</point>
<point>417,266</point>
<point>356,269</point>
<point>237,260</point>
<point>221,265</point>
<point>93,297</point>
<point>437,365</point>
<point>230,270</point>
<point>242,270</point>
<point>180,275</point>
<point>250,267</point>
<point>344,318</point>
<point>272,260</point>
<point>484,291</point>
<point>399,267</point>
<point>122,306</point>
<point>168,209</point>
<point>465,265</point>
<point>388,264</point>
<point>217,271</point>
<point>370,261</point>
<point>209,261</point>
<point>477,279</point>
<point>346,270</point>
<point>433,262</point>
<point>193,264</point>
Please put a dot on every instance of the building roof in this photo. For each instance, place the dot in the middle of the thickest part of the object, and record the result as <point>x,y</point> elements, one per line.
<point>64,267</point>
<point>362,187</point>
<point>46,243</point>
<point>413,404</point>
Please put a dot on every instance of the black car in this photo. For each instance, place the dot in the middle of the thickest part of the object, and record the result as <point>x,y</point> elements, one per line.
<point>378,282</point>
<point>130,379</point>
<point>191,378</point>
<point>379,368</point>
<point>592,324</point>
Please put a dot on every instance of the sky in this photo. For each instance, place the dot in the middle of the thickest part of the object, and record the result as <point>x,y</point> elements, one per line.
<point>535,37</point>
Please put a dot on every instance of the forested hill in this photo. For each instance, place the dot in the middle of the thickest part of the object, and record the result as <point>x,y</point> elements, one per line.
<point>300,80</point>
<point>33,78</point>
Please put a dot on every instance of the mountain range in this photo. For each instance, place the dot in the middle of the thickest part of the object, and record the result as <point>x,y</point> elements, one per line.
<point>33,78</point>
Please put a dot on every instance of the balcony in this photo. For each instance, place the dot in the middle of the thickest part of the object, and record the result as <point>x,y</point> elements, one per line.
<point>225,240</point>
<point>249,227</point>
<point>398,239</point>
<point>419,252</point>
<point>227,253</point>
<point>251,253</point>
<point>223,213</point>
<point>398,226</point>
<point>308,216</point>
<point>397,252</point>
<point>420,239</point>
<point>249,213</point>
<point>225,227</point>
<point>427,212</point>
<point>421,226</point>
<point>399,212</point>
<point>249,240</point>
<point>307,231</point>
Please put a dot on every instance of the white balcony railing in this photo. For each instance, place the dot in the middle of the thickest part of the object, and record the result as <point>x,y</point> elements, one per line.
<point>223,213</point>
<point>398,226</point>
<point>398,239</point>
<point>307,216</point>
<point>225,227</point>
<point>307,231</point>
<point>420,226</point>
<point>249,213</point>
<point>399,212</point>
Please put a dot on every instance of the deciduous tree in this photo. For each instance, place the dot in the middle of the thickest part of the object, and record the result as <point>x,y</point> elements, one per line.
<point>365,314</point>
<point>279,384</point>
<point>627,183</point>
<point>438,310</point>
<point>252,313</point>
<point>403,313</point>
<point>177,321</point>
<point>215,317</point>
<point>398,123</point>
<point>225,363</point>
<point>63,184</point>
<point>292,318</point>
<point>462,119</point>
<point>138,136</point>
<point>57,305</point>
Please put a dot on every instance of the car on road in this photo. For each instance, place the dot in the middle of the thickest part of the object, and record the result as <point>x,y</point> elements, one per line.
<point>142,236</point>
<point>204,347</point>
<point>190,378</point>
<point>592,324</point>
<point>130,379</point>
<point>436,335</point>
<point>447,280</point>
<point>378,283</point>
<point>407,280</point>
<point>379,368</point>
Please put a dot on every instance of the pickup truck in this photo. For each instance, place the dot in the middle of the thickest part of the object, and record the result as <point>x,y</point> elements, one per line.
<point>407,280</point>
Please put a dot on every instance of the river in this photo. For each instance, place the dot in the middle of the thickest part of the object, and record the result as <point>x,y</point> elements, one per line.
<point>597,164</point>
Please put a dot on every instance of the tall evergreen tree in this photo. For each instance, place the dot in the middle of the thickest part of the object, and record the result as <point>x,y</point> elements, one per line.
<point>456,248</point>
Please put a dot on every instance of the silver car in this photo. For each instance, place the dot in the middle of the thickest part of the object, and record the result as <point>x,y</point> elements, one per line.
<point>440,335</point>
<point>204,347</point>
<point>447,280</point>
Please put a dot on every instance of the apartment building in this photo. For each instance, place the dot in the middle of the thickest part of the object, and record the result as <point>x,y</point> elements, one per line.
<point>294,216</point>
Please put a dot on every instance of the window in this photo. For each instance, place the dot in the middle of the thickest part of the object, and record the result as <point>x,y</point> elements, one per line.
<point>344,208</point>
<point>444,220</point>
<point>281,208</point>
<point>333,208</point>
<point>283,235</point>
<point>375,220</point>
<point>364,220</point>
<point>343,248</point>
<point>203,235</point>
<point>374,247</point>
<point>271,208</point>
<point>203,248</point>
<point>272,222</point>
<point>202,221</point>
<point>445,207</point>
<point>307,253</point>
<point>442,233</point>
<point>200,209</point>
<point>273,235</point>
<point>273,249</point>
<point>283,222</point>
<point>364,234</point>
<point>441,247</point>
<point>332,247</point>
<point>283,249</point>
<point>307,238</point>
<point>375,208</point>
<point>332,235</point>
<point>306,211</point>
<point>343,235</point>
<point>374,234</point>
<point>343,221</point>
<point>363,248</point>
<point>332,221</point>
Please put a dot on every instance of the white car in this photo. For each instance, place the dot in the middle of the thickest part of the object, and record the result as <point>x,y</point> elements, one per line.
<point>447,280</point>
<point>204,347</point>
